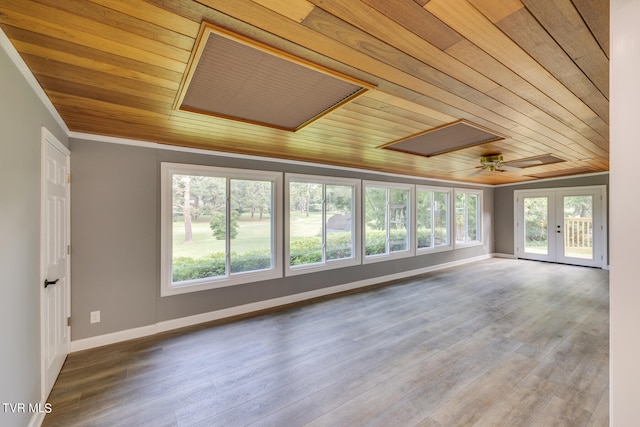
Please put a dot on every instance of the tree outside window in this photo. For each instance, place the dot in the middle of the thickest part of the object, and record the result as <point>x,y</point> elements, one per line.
<point>387,219</point>
<point>220,223</point>
<point>468,216</point>
<point>322,222</point>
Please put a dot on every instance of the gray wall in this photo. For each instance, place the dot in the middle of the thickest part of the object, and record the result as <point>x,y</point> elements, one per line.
<point>21,116</point>
<point>115,214</point>
<point>504,205</point>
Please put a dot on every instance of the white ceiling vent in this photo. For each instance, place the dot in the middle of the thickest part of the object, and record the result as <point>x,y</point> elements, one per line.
<point>444,139</point>
<point>545,159</point>
<point>237,78</point>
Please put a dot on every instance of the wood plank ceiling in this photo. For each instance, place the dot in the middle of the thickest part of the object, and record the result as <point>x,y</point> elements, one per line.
<point>535,71</point>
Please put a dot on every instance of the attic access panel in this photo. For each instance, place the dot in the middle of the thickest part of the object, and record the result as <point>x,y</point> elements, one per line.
<point>233,77</point>
<point>444,139</point>
<point>529,162</point>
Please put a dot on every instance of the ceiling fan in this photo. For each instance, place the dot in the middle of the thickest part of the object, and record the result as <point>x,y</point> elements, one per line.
<point>495,163</point>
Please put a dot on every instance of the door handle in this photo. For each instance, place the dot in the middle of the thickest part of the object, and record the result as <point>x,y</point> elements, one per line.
<point>50,282</point>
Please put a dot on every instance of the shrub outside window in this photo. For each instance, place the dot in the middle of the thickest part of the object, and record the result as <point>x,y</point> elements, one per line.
<point>219,227</point>
<point>322,224</point>
<point>433,213</point>
<point>468,217</point>
<point>387,225</point>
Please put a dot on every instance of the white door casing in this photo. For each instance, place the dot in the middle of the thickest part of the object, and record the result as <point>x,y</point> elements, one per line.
<point>556,250</point>
<point>54,259</point>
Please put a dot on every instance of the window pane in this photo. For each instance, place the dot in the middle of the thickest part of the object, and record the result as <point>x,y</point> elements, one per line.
<point>199,227</point>
<point>251,225</point>
<point>305,223</point>
<point>468,222</point>
<point>425,218</point>
<point>375,220</point>
<point>473,214</point>
<point>398,220</point>
<point>339,205</point>
<point>461,213</point>
<point>441,219</point>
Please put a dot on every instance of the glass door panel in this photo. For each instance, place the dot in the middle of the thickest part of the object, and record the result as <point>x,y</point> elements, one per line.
<point>561,225</point>
<point>536,225</point>
<point>578,227</point>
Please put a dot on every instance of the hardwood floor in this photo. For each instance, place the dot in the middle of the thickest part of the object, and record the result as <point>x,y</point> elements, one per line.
<point>494,343</point>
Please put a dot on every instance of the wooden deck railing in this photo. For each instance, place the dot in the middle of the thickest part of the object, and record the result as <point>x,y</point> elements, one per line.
<point>578,233</point>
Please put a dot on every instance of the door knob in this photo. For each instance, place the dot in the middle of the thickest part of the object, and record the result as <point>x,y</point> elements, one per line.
<point>50,282</point>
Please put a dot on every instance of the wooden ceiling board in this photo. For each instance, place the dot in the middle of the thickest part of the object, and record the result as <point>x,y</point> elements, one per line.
<point>466,19</point>
<point>565,24</point>
<point>596,16</point>
<point>296,10</point>
<point>537,74</point>
<point>121,26</point>
<point>384,117</point>
<point>414,18</point>
<point>467,93</point>
<point>543,107</point>
<point>87,39</point>
<point>527,32</point>
<point>410,105</point>
<point>393,43</point>
<point>90,58</point>
<point>398,114</point>
<point>119,85</point>
<point>160,15</point>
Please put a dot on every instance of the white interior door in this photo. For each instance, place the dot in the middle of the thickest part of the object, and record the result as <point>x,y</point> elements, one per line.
<point>562,225</point>
<point>55,260</point>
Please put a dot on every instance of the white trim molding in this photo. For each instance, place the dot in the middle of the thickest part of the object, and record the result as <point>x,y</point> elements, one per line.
<point>507,256</point>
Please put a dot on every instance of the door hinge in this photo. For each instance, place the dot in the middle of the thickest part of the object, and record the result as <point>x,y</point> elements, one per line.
<point>68,249</point>
<point>69,321</point>
<point>68,178</point>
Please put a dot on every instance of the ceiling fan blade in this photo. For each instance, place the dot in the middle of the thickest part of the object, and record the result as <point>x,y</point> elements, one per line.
<point>476,172</point>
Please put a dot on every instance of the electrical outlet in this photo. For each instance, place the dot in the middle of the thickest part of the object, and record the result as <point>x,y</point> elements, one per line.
<point>95,317</point>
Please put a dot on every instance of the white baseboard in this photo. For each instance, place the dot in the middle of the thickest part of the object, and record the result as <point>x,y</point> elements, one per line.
<point>37,418</point>
<point>112,338</point>
<point>508,256</point>
<point>167,325</point>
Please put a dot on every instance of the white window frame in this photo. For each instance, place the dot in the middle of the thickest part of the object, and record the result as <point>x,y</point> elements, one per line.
<point>410,251</point>
<point>450,219</point>
<point>480,228</point>
<point>166,235</point>
<point>356,224</point>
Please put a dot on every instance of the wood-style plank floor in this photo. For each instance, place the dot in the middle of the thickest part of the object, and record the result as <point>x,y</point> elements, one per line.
<point>493,343</point>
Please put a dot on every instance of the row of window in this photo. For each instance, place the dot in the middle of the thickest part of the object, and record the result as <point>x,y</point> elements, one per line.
<point>224,226</point>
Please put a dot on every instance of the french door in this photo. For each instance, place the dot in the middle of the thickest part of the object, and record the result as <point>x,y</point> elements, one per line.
<point>565,225</point>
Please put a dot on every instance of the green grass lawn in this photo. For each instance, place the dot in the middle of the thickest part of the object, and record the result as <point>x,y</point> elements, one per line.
<point>301,225</point>
<point>253,235</point>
